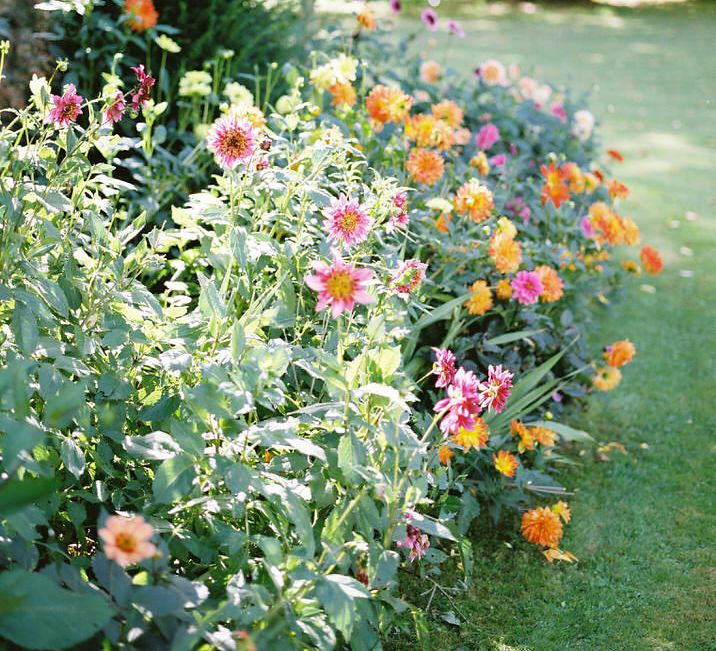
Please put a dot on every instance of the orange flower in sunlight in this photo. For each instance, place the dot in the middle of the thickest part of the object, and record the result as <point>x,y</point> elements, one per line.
<point>480,300</point>
<point>553,287</point>
<point>506,253</point>
<point>543,435</point>
<point>631,231</point>
<point>366,18</point>
<point>428,131</point>
<point>342,94</point>
<point>449,112</point>
<point>474,199</point>
<point>505,463</point>
<point>591,182</point>
<point>617,189</point>
<point>554,189</point>
<point>476,437</point>
<point>541,526</point>
<point>425,166</point>
<point>572,173</point>
<point>607,378</point>
<point>388,104</point>
<point>445,453</point>
<point>140,14</point>
<point>619,353</point>
<point>430,71</point>
<point>651,259</point>
<point>606,223</point>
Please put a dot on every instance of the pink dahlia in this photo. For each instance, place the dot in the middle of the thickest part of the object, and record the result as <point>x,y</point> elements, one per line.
<point>339,285</point>
<point>495,391</point>
<point>126,539</point>
<point>430,18</point>
<point>115,109</point>
<point>526,287</point>
<point>443,367</point>
<point>499,160</point>
<point>399,216</point>
<point>144,90</point>
<point>395,6</point>
<point>487,136</point>
<point>462,403</point>
<point>65,108</point>
<point>558,111</point>
<point>345,221</point>
<point>408,275</point>
<point>587,228</point>
<point>233,140</point>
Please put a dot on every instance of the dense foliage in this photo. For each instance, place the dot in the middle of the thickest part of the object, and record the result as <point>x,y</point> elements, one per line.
<point>228,421</point>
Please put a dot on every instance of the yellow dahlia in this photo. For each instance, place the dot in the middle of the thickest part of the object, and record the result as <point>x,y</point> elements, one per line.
<point>607,378</point>
<point>476,437</point>
<point>480,300</point>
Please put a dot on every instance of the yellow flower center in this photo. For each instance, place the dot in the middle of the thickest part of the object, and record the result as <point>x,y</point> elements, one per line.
<point>340,285</point>
<point>349,221</point>
<point>235,143</point>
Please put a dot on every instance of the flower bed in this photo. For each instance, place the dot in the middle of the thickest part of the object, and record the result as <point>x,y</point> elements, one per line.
<point>233,430</point>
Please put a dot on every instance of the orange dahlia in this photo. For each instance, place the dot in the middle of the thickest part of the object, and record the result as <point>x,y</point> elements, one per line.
<point>425,166</point>
<point>617,189</point>
<point>651,259</point>
<point>449,112</point>
<point>554,189</point>
<point>442,222</point>
<point>342,94</point>
<point>480,300</point>
<point>505,463</point>
<point>474,199</point>
<point>607,378</point>
<point>388,104</point>
<point>445,453</point>
<point>591,182</point>
<point>553,287</point>
<point>476,437</point>
<point>619,353</point>
<point>543,435</point>
<point>366,18</point>
<point>430,71</point>
<point>525,440</point>
<point>541,526</point>
<point>606,223</point>
<point>140,14</point>
<point>428,131</point>
<point>504,289</point>
<point>631,231</point>
<point>573,174</point>
<point>506,253</point>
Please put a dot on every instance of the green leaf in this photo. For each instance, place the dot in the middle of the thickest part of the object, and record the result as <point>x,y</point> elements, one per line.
<point>433,527</point>
<point>512,336</point>
<point>173,479</point>
<point>61,408</point>
<point>385,569</point>
<point>36,613</point>
<point>24,327</point>
<point>566,433</point>
<point>72,457</point>
<point>336,593</point>
<point>15,494</point>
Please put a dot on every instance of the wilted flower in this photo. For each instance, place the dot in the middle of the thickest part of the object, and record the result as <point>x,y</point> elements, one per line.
<point>415,541</point>
<point>339,285</point>
<point>126,539</point>
<point>66,108</point>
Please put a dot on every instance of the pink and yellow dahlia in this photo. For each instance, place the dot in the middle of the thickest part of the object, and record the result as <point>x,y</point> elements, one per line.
<point>339,285</point>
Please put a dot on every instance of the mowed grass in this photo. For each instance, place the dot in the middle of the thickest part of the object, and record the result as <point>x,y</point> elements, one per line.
<point>644,523</point>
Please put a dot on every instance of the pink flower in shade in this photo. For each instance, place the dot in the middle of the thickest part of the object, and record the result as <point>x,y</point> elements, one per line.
<point>558,111</point>
<point>144,91</point>
<point>526,287</point>
<point>519,208</point>
<point>587,228</point>
<point>66,108</point>
<point>126,539</point>
<point>430,18</point>
<point>339,285</point>
<point>462,403</point>
<point>487,136</point>
<point>454,28</point>
<point>346,222</point>
<point>495,391</point>
<point>408,275</point>
<point>395,6</point>
<point>233,140</point>
<point>514,149</point>
<point>416,542</point>
<point>443,367</point>
<point>115,109</point>
<point>498,161</point>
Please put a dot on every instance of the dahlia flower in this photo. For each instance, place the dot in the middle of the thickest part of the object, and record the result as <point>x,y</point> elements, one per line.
<point>65,108</point>
<point>526,287</point>
<point>346,221</point>
<point>496,389</point>
<point>417,543</point>
<point>462,403</point>
<point>505,463</point>
<point>487,136</point>
<point>233,140</point>
<point>126,539</point>
<point>425,166</point>
<point>443,367</point>
<point>619,353</point>
<point>408,276</point>
<point>115,109</point>
<point>541,526</point>
<point>476,437</point>
<point>480,300</point>
<point>651,259</point>
<point>339,285</point>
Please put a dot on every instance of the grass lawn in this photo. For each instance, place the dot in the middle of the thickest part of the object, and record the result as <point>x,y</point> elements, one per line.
<point>644,523</point>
